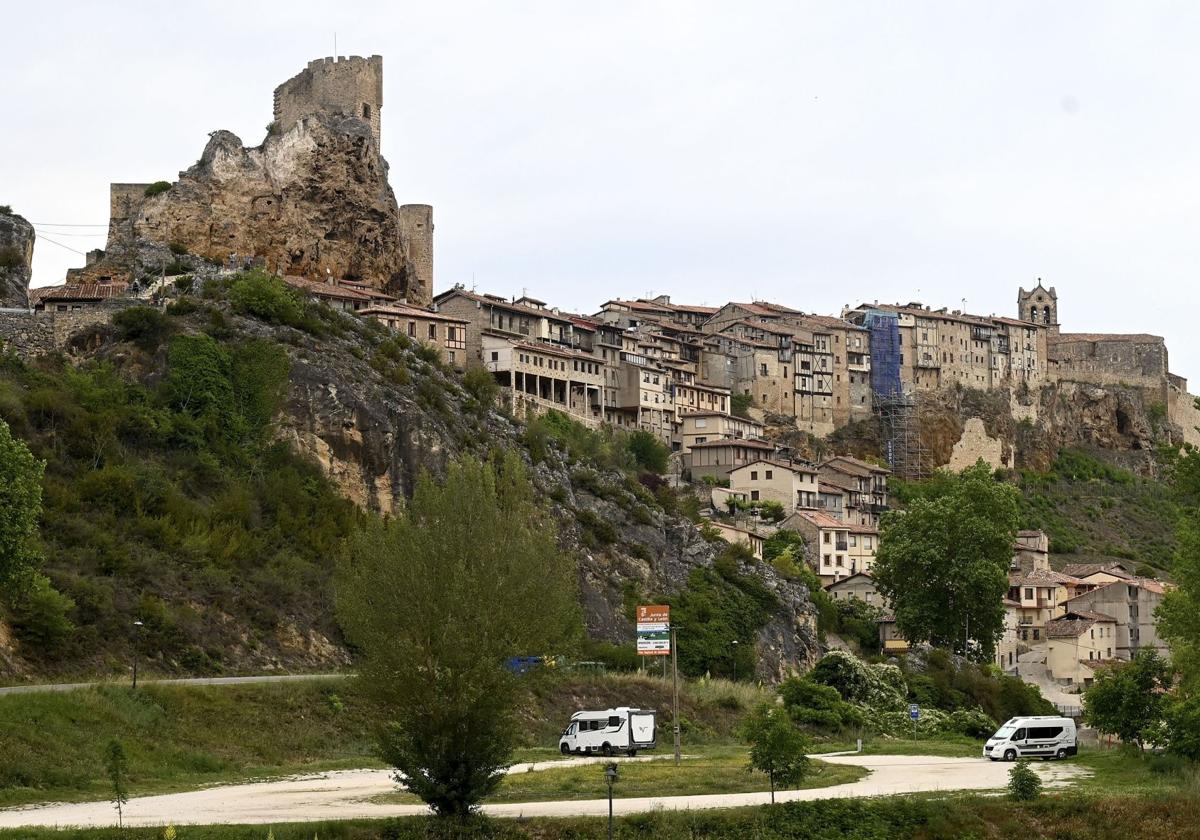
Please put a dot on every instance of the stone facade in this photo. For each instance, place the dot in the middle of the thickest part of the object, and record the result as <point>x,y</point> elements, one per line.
<point>337,85</point>
<point>16,257</point>
<point>1038,306</point>
<point>31,334</point>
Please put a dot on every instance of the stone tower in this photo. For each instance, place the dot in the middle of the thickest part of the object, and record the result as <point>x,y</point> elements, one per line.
<point>416,233</point>
<point>352,86</point>
<point>1038,306</point>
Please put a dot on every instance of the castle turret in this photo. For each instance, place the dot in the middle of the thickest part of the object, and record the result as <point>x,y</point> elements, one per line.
<point>1038,306</point>
<point>416,230</point>
<point>352,86</point>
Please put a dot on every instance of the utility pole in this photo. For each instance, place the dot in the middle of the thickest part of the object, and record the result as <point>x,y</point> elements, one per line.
<point>137,626</point>
<point>675,689</point>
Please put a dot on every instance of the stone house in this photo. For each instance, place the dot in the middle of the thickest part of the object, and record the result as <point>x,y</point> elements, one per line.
<point>735,535</point>
<point>1078,643</point>
<point>792,485</point>
<point>72,297</point>
<point>864,486</point>
<point>536,377</point>
<point>342,295</point>
<point>826,544</point>
<point>702,426</point>
<point>1132,603</point>
<point>859,585</point>
<point>524,319</point>
<point>446,334</point>
<point>715,458</point>
<point>1008,645</point>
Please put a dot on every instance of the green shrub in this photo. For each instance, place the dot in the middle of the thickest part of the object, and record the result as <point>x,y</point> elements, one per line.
<point>178,248</point>
<point>157,188</point>
<point>1023,783</point>
<point>480,384</point>
<point>145,326</point>
<point>267,297</point>
<point>648,451</point>
<point>41,618</point>
<point>182,306</point>
<point>818,706</point>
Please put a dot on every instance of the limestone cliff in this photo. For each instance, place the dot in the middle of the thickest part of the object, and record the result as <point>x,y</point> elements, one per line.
<point>16,258</point>
<point>312,201</point>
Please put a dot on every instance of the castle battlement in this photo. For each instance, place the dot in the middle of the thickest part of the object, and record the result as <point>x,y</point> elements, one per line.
<point>333,85</point>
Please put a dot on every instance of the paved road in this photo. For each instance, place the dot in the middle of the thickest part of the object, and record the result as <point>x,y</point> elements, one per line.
<point>40,687</point>
<point>346,794</point>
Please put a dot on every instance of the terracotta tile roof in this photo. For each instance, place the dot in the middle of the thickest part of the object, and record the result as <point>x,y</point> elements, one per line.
<point>501,303</point>
<point>822,520</point>
<point>1040,577</point>
<point>749,442</point>
<point>857,462</point>
<point>405,311</point>
<point>859,528</point>
<point>1082,570</point>
<point>77,291</point>
<point>1066,338</point>
<point>335,290</point>
<point>1074,624</point>
<point>783,465</point>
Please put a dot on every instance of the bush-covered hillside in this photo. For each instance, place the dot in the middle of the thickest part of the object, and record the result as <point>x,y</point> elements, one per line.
<point>1094,510</point>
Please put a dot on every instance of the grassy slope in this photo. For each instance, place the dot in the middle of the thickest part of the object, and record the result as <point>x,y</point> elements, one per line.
<point>179,737</point>
<point>1094,511</point>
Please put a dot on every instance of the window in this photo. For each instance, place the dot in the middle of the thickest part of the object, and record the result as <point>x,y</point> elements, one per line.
<point>366,111</point>
<point>762,369</point>
<point>770,473</point>
<point>495,356</point>
<point>754,495</point>
<point>412,329</point>
<point>433,331</point>
<point>1037,634</point>
<point>1028,593</point>
<point>826,539</point>
<point>853,541</point>
<point>754,475</point>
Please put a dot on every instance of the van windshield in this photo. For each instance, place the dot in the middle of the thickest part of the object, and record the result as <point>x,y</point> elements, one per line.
<point>1004,732</point>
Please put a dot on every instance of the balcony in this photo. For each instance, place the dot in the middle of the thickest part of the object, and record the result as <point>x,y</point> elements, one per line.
<point>840,545</point>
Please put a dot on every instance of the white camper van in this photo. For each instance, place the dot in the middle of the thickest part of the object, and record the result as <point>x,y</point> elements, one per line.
<point>1043,736</point>
<point>609,731</point>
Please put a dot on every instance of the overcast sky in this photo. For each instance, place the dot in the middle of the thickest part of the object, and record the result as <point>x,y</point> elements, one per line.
<point>817,154</point>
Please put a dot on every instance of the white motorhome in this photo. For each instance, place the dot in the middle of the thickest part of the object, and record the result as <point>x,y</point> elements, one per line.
<point>1041,736</point>
<point>609,731</point>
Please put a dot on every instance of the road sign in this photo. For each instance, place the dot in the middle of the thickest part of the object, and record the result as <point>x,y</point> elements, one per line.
<point>914,711</point>
<point>654,630</point>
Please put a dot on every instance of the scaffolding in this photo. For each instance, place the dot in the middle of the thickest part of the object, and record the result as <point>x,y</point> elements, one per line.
<point>898,411</point>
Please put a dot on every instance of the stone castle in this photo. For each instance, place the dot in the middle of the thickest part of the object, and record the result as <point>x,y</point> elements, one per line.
<point>312,201</point>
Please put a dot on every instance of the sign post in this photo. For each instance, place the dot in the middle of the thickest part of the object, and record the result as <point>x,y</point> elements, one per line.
<point>914,712</point>
<point>656,637</point>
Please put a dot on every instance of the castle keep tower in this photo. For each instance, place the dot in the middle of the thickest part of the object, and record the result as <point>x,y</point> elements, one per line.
<point>1038,306</point>
<point>416,231</point>
<point>352,86</point>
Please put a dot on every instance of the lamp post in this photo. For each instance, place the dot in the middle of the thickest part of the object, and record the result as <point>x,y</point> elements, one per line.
<point>734,645</point>
<point>610,774</point>
<point>137,627</point>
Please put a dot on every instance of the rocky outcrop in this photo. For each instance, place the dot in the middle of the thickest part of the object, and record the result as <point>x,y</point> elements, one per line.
<point>313,201</point>
<point>374,437</point>
<point>16,260</point>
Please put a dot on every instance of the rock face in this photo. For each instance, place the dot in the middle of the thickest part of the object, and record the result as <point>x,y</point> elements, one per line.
<point>312,201</point>
<point>16,259</point>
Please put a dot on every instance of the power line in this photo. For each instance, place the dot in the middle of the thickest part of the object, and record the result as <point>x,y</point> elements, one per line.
<point>67,224</point>
<point>60,245</point>
<point>65,233</point>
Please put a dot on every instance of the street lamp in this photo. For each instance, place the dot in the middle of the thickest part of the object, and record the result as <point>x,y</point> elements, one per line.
<point>610,774</point>
<point>137,627</point>
<point>734,645</point>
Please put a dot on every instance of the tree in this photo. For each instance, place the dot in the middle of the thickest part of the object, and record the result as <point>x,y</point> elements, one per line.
<point>648,451</point>
<point>1126,699</point>
<point>1183,727</point>
<point>740,404</point>
<point>943,562</point>
<point>20,507</point>
<point>1179,614</point>
<point>1023,783</point>
<point>777,747</point>
<point>437,600</point>
<point>115,766</point>
<point>780,541</point>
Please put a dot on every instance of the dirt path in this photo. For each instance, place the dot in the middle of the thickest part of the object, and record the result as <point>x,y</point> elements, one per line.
<point>36,688</point>
<point>346,795</point>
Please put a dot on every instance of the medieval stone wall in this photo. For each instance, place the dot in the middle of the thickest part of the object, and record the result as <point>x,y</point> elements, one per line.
<point>32,334</point>
<point>1138,360</point>
<point>351,86</point>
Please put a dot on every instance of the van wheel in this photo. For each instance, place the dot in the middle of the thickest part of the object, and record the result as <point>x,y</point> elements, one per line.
<point>564,749</point>
<point>632,753</point>
<point>1010,755</point>
<point>1061,754</point>
<point>607,749</point>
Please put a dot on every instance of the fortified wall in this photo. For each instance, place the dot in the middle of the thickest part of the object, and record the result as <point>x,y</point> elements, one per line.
<point>32,334</point>
<point>337,85</point>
